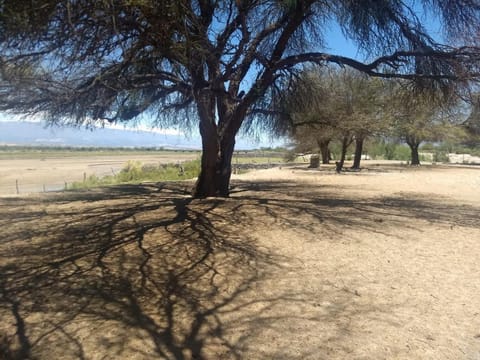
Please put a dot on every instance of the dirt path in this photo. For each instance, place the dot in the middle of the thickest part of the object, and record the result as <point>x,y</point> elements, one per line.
<point>297,264</point>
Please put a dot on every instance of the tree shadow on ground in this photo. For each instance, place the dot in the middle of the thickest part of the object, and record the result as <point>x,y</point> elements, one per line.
<point>306,205</point>
<point>131,272</point>
<point>147,272</point>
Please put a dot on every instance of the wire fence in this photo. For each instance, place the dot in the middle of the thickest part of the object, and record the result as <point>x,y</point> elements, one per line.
<point>57,174</point>
<point>24,187</point>
<point>20,187</point>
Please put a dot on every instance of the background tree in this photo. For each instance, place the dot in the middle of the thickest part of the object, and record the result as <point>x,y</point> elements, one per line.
<point>419,117</point>
<point>312,139</point>
<point>330,103</point>
<point>79,62</point>
<point>472,124</point>
<point>307,114</point>
<point>364,98</point>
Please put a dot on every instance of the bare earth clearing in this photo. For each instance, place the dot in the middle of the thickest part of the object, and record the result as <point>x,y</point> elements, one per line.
<point>297,264</point>
<point>54,171</point>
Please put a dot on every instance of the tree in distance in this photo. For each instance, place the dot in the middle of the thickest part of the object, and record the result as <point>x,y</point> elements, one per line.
<point>472,124</point>
<point>308,108</point>
<point>327,103</point>
<point>307,116</point>
<point>215,64</point>
<point>417,117</point>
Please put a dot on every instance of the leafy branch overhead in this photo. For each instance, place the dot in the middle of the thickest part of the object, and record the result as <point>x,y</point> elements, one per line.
<point>116,59</point>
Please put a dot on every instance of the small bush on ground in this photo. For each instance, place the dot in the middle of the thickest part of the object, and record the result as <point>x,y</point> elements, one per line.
<point>136,172</point>
<point>440,156</point>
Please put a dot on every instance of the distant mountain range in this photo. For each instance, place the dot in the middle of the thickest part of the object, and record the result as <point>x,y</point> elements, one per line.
<point>36,134</point>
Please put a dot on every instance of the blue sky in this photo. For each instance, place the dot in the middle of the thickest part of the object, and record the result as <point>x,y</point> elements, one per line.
<point>337,44</point>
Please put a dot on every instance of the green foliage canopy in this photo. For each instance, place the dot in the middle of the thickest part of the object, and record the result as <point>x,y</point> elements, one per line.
<point>89,59</point>
<point>327,103</point>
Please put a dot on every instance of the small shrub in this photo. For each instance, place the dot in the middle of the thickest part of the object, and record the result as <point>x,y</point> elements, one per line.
<point>402,152</point>
<point>135,172</point>
<point>390,149</point>
<point>375,150</point>
<point>132,171</point>
<point>440,156</point>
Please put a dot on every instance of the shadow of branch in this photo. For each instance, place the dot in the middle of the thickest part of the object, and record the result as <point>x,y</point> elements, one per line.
<point>306,206</point>
<point>146,271</point>
<point>153,273</point>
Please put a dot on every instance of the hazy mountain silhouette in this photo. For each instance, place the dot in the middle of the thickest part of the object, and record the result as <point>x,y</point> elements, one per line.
<point>33,133</point>
<point>36,134</point>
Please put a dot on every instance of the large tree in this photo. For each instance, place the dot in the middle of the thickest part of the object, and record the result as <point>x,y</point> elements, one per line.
<point>84,61</point>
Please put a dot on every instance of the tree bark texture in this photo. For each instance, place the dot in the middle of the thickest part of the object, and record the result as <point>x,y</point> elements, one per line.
<point>324,151</point>
<point>358,152</point>
<point>214,177</point>
<point>415,157</point>
<point>218,143</point>
<point>414,144</point>
<point>346,141</point>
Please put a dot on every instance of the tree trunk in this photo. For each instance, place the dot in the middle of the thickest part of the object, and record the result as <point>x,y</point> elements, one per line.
<point>217,152</point>
<point>358,152</point>
<point>414,144</point>
<point>415,156</point>
<point>216,166</point>
<point>324,151</point>
<point>345,143</point>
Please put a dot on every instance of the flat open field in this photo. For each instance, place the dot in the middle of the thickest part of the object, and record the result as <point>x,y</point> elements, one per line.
<point>297,264</point>
<point>34,171</point>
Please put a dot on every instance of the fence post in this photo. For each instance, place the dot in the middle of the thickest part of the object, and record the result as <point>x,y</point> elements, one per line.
<point>16,185</point>
<point>84,177</point>
<point>66,185</point>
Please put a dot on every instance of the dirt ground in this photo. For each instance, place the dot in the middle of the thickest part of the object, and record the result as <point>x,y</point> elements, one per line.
<point>297,264</point>
<point>51,173</point>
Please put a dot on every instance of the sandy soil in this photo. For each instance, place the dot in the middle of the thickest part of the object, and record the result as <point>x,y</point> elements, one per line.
<point>297,264</point>
<point>51,173</point>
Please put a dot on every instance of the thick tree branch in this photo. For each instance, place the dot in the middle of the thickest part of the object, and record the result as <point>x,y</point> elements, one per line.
<point>394,61</point>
